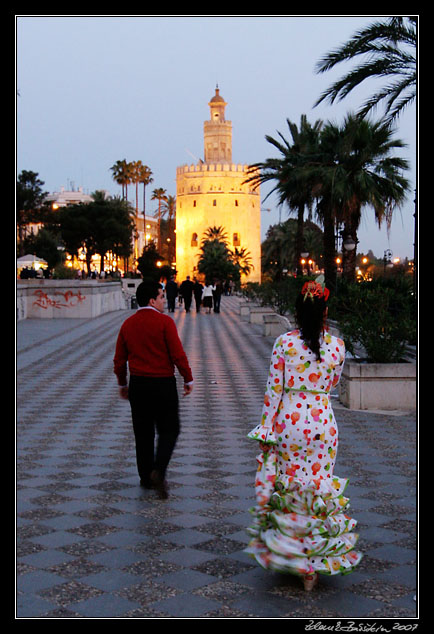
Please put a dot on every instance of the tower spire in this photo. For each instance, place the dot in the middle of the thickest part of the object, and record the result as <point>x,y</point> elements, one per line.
<point>217,132</point>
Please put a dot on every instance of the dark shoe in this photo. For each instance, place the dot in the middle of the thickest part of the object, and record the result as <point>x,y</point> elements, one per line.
<point>146,484</point>
<point>159,485</point>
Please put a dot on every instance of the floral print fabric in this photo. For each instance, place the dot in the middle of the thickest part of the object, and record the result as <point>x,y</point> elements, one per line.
<point>300,520</point>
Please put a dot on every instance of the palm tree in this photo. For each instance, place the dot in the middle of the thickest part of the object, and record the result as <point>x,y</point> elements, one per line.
<point>358,170</point>
<point>122,175</point>
<point>292,185</point>
<point>145,177</point>
<point>278,249</point>
<point>383,49</point>
<point>169,208</point>
<point>242,260</point>
<point>160,195</point>
<point>136,167</point>
<point>215,258</point>
<point>215,233</point>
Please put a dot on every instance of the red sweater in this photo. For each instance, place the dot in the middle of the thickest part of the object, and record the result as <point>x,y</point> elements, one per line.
<point>148,342</point>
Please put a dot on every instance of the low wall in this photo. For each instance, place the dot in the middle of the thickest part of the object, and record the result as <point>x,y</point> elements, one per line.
<point>50,299</point>
<point>273,324</point>
<point>378,386</point>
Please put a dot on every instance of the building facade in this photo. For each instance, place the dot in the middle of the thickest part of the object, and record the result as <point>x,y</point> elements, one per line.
<point>213,193</point>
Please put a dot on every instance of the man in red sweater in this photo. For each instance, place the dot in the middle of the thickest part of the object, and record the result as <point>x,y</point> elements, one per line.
<point>148,343</point>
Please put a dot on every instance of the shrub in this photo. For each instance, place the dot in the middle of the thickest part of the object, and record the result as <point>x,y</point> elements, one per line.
<point>280,296</point>
<point>378,316</point>
<point>62,272</point>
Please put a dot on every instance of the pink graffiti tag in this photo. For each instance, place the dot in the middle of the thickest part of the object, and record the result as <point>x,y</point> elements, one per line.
<point>71,299</point>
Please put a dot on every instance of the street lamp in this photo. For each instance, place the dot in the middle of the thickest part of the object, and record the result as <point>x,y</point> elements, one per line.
<point>349,244</point>
<point>387,259</point>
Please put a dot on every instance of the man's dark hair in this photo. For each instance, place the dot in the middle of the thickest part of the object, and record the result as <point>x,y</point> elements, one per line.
<point>147,290</point>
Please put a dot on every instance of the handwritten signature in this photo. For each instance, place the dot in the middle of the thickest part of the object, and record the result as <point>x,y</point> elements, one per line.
<point>351,626</point>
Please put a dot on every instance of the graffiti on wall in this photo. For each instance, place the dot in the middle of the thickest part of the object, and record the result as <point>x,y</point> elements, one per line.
<point>69,299</point>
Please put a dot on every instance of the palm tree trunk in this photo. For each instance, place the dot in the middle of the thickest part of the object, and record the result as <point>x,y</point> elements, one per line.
<point>349,255</point>
<point>159,225</point>
<point>329,248</point>
<point>299,241</point>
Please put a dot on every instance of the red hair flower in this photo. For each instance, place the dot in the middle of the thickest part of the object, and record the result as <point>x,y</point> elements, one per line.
<point>315,288</point>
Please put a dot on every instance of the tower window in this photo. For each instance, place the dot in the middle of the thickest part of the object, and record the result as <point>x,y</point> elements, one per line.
<point>214,202</point>
<point>194,203</point>
<point>194,240</point>
<point>236,203</point>
<point>236,240</point>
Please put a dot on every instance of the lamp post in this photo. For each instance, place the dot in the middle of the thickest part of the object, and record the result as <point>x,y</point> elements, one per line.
<point>387,260</point>
<point>304,256</point>
<point>348,256</point>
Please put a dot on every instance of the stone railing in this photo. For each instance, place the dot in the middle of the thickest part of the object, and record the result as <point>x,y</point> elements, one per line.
<point>48,299</point>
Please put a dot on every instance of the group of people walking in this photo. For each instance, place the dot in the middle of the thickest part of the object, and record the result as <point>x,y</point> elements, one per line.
<point>300,522</point>
<point>207,296</point>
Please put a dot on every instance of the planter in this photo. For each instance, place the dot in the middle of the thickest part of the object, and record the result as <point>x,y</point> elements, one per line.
<point>275,325</point>
<point>253,313</point>
<point>378,386</point>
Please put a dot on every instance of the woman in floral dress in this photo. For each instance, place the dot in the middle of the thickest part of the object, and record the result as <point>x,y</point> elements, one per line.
<point>301,524</point>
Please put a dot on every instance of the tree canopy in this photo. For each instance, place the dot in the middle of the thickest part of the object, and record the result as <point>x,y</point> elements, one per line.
<point>99,227</point>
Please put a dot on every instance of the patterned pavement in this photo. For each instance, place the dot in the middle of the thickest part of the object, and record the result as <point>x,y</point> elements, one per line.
<point>90,543</point>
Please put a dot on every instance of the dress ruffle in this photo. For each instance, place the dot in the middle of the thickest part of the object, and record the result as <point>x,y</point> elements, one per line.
<point>301,526</point>
<point>263,433</point>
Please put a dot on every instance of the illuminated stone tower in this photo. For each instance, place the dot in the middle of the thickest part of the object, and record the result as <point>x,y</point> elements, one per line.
<point>212,193</point>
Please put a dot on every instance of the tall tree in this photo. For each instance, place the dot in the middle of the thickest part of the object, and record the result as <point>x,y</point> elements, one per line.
<point>160,195</point>
<point>146,179</point>
<point>215,258</point>
<point>29,198</point>
<point>279,246</point>
<point>383,50</point>
<point>98,227</point>
<point>292,185</point>
<point>122,174</point>
<point>169,209</point>
<point>358,170</point>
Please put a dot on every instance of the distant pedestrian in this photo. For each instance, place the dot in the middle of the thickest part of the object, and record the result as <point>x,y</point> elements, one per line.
<point>301,525</point>
<point>148,346</point>
<point>197,290</point>
<point>217,295</point>
<point>171,294</point>
<point>207,297</point>
<point>186,290</point>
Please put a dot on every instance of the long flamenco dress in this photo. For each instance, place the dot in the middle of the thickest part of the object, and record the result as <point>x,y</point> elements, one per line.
<point>300,522</point>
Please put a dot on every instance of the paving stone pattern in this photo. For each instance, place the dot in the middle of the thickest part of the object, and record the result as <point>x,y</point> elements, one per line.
<point>91,543</point>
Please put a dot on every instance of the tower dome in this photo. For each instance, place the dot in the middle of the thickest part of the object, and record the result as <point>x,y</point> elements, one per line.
<point>217,97</point>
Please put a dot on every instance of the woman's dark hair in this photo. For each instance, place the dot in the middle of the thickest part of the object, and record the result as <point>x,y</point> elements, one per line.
<point>309,313</point>
<point>147,290</point>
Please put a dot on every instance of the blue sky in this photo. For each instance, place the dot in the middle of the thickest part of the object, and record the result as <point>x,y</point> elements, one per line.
<point>96,89</point>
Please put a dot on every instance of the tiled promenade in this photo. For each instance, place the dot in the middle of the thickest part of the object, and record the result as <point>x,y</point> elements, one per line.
<point>92,544</point>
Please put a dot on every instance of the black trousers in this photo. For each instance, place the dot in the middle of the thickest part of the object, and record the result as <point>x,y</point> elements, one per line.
<point>154,407</point>
<point>171,303</point>
<point>187,302</point>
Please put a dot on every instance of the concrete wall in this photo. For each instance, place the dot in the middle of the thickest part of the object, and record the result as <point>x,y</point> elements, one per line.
<point>378,386</point>
<point>50,299</point>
